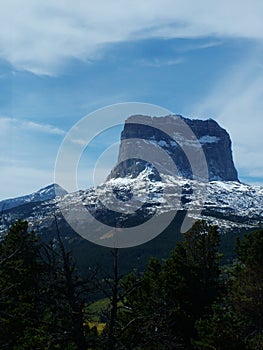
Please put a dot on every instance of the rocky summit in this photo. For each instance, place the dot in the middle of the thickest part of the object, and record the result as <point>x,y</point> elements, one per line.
<point>44,194</point>
<point>199,149</point>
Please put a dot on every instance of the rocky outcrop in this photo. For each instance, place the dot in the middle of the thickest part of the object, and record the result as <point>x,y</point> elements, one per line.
<point>198,149</point>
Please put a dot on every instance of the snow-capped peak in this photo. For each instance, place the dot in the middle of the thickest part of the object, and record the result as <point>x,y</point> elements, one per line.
<point>44,194</point>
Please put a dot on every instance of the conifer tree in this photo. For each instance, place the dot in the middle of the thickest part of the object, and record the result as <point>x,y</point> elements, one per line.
<point>20,289</point>
<point>170,297</point>
<point>237,319</point>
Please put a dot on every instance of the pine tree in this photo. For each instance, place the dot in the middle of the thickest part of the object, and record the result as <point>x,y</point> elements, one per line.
<point>42,297</point>
<point>246,293</point>
<point>237,319</point>
<point>162,308</point>
<point>20,272</point>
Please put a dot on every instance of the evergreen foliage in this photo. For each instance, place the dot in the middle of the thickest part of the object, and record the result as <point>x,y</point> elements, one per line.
<point>237,320</point>
<point>188,301</point>
<point>41,301</point>
<point>170,297</point>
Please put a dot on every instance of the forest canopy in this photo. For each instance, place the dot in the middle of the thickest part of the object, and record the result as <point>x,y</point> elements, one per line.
<point>188,301</point>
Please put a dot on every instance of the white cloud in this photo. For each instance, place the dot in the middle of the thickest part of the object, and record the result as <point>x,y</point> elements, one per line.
<point>7,123</point>
<point>46,128</point>
<point>39,36</point>
<point>156,62</point>
<point>79,142</point>
<point>199,46</point>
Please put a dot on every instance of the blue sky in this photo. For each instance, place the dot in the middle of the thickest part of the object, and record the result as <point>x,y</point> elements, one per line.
<point>60,61</point>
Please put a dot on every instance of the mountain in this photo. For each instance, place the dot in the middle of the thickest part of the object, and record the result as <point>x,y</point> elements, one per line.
<point>184,140</point>
<point>228,204</point>
<point>44,194</point>
<point>137,191</point>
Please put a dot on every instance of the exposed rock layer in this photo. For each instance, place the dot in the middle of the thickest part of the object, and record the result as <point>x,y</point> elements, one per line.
<point>200,149</point>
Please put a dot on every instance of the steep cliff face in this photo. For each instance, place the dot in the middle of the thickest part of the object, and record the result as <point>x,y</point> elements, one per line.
<point>199,149</point>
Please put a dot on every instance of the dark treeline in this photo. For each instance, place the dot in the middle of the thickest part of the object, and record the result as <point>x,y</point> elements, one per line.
<point>187,301</point>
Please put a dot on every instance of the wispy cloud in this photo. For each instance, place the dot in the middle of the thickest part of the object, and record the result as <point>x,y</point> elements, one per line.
<point>28,151</point>
<point>199,46</point>
<point>47,128</point>
<point>18,180</point>
<point>79,142</point>
<point>7,161</point>
<point>14,123</point>
<point>156,62</point>
<point>236,101</point>
<point>42,35</point>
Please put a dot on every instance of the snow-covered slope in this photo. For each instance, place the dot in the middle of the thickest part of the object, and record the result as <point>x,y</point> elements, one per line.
<point>44,194</point>
<point>136,190</point>
<point>227,204</point>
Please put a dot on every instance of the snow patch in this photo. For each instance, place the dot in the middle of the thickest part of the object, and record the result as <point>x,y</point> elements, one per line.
<point>162,143</point>
<point>209,139</point>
